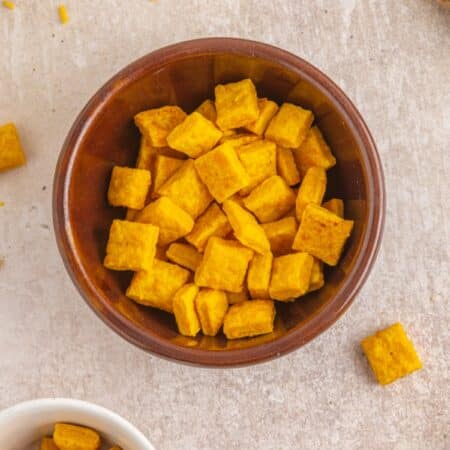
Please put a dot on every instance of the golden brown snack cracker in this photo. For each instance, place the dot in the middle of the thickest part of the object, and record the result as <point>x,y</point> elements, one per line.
<point>158,286</point>
<point>258,277</point>
<point>336,206</point>
<point>184,310</point>
<point>236,104</point>
<point>224,265</point>
<point>316,281</point>
<point>271,200</point>
<point>173,222</point>
<point>313,152</point>
<point>222,172</point>
<point>73,437</point>
<point>259,159</point>
<point>248,319</point>
<point>246,228</point>
<point>322,234</point>
<point>281,234</point>
<point>129,187</point>
<point>391,354</point>
<point>286,167</point>
<point>289,126</point>
<point>291,275</point>
<point>312,190</point>
<point>213,222</point>
<point>211,306</point>
<point>267,109</point>
<point>163,168</point>
<point>208,110</point>
<point>186,189</point>
<point>131,246</point>
<point>194,136</point>
<point>184,255</point>
<point>156,124</point>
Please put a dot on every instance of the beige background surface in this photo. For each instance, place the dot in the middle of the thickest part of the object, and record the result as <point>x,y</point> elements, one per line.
<point>393,59</point>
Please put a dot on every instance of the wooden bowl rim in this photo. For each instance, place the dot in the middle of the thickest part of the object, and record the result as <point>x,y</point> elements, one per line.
<point>297,336</point>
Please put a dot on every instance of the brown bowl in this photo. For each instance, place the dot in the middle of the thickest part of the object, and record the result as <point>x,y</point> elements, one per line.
<point>185,74</point>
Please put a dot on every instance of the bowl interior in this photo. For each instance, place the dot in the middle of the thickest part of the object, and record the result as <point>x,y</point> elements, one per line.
<point>105,135</point>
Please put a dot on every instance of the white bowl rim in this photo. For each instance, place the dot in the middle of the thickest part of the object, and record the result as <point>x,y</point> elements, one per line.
<point>54,404</point>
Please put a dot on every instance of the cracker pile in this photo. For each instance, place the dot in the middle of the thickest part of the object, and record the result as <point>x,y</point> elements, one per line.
<point>225,212</point>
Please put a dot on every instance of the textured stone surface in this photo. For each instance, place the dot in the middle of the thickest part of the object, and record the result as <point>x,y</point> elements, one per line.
<point>393,60</point>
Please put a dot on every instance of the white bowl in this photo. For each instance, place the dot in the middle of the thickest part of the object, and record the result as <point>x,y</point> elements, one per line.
<point>23,424</point>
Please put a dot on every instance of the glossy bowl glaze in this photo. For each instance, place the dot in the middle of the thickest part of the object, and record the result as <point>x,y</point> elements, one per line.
<point>185,74</point>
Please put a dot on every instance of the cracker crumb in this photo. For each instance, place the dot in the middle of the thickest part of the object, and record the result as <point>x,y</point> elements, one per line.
<point>63,14</point>
<point>9,5</point>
